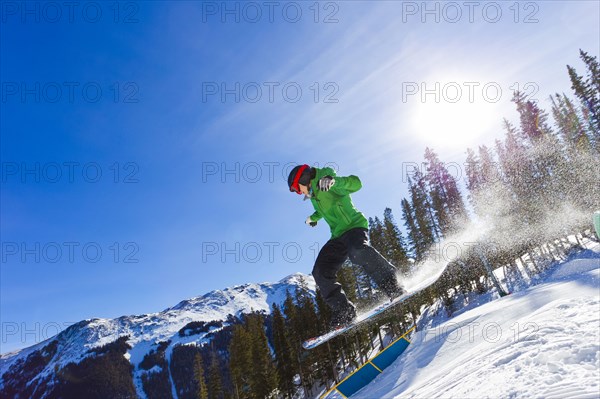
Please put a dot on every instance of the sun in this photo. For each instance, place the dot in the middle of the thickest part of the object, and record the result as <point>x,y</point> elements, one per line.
<point>453,117</point>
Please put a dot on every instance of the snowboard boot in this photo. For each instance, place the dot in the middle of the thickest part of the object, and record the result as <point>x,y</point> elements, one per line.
<point>343,317</point>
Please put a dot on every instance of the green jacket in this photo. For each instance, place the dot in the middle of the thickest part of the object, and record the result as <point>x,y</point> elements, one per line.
<point>335,205</point>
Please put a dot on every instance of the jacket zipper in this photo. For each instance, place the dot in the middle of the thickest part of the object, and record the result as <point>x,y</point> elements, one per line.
<point>341,210</point>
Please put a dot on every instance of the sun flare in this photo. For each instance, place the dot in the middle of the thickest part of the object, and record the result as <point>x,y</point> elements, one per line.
<point>450,115</point>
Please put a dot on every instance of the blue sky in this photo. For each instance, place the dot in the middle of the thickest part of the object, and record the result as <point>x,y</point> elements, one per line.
<point>125,93</point>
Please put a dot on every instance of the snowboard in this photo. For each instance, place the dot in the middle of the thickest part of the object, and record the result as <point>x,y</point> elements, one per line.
<point>365,317</point>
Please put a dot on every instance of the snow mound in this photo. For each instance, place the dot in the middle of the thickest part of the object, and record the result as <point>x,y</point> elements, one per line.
<point>576,266</point>
<point>541,342</point>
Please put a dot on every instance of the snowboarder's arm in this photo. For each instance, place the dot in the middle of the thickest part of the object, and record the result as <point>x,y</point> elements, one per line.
<point>316,216</point>
<point>346,185</point>
<point>343,185</point>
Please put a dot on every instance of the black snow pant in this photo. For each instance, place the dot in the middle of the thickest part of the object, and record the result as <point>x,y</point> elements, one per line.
<point>353,244</point>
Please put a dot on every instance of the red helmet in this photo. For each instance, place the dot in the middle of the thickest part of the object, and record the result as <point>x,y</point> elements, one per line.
<point>301,174</point>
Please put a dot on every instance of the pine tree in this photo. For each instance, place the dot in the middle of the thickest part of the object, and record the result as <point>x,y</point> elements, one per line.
<point>325,359</point>
<point>456,205</point>
<point>580,163</point>
<point>240,360</point>
<point>570,126</point>
<point>533,120</point>
<point>290,310</point>
<point>356,276</point>
<point>262,374</point>
<point>394,244</point>
<point>215,383</point>
<point>437,192</point>
<point>519,176</point>
<point>424,221</point>
<point>283,361</point>
<point>474,178</point>
<point>302,323</point>
<point>296,335</point>
<point>487,189</point>
<point>588,90</point>
<point>201,389</point>
<point>376,234</point>
<point>364,284</point>
<point>411,227</point>
<point>347,278</point>
<point>546,154</point>
<point>424,211</point>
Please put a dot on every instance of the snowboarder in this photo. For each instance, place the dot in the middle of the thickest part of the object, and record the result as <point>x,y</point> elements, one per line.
<point>330,197</point>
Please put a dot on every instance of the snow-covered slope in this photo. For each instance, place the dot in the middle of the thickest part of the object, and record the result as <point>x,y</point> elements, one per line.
<point>146,331</point>
<point>541,342</point>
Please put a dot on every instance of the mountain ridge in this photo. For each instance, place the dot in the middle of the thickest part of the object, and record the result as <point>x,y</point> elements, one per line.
<point>146,332</point>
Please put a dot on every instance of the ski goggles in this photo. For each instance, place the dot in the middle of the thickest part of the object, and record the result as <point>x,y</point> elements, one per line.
<point>295,187</point>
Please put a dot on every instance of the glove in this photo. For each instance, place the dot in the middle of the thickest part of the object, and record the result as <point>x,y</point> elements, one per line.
<point>326,182</point>
<point>310,222</point>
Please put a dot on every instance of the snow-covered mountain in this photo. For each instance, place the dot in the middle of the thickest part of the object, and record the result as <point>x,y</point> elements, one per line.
<point>146,332</point>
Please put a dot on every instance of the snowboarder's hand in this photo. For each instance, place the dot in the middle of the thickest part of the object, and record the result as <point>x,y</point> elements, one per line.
<point>310,222</point>
<point>326,182</point>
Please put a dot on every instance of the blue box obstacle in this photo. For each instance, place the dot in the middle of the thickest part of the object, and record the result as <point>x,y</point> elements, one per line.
<point>368,371</point>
